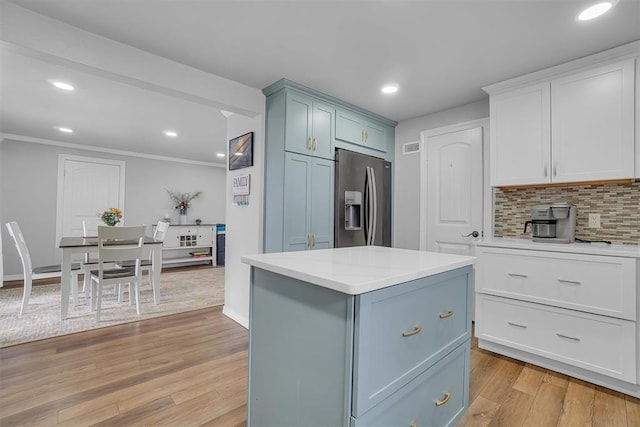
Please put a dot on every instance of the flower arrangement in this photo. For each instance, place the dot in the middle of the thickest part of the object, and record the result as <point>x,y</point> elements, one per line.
<point>111,216</point>
<point>182,201</point>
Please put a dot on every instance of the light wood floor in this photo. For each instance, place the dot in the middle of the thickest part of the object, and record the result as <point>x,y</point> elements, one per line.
<point>191,369</point>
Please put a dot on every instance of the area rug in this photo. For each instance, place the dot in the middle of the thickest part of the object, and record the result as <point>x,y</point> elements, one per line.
<point>180,291</point>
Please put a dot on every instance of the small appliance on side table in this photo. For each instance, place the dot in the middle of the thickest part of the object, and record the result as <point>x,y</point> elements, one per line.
<point>553,223</point>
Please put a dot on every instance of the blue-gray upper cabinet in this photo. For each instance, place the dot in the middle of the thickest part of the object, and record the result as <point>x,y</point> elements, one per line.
<point>301,120</point>
<point>309,126</point>
<point>356,129</point>
<point>308,203</point>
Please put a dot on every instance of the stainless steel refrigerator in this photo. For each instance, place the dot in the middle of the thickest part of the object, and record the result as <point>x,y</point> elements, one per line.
<point>362,200</point>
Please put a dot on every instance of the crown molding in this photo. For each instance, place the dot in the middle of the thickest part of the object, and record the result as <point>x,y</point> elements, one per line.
<point>626,51</point>
<point>285,84</point>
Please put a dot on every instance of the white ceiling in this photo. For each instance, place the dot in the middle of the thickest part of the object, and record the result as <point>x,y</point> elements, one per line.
<point>440,53</point>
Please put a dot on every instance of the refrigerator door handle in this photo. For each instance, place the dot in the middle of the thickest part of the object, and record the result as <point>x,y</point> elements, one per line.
<point>374,220</point>
<point>370,206</point>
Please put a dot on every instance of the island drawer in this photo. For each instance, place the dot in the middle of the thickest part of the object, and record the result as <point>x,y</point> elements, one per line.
<point>596,284</point>
<point>402,330</point>
<point>600,344</point>
<point>437,397</point>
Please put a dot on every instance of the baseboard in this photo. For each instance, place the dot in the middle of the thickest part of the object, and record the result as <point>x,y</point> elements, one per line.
<point>241,320</point>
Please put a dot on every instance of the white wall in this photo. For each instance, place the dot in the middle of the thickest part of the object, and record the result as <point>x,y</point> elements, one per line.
<point>244,223</point>
<point>29,171</point>
<point>407,168</point>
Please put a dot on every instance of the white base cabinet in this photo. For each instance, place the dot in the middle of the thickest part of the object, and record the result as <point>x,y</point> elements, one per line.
<point>182,244</point>
<point>574,313</point>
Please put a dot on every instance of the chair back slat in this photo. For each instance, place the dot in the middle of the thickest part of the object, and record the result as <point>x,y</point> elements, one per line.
<point>161,230</point>
<point>21,246</point>
<point>90,227</point>
<point>120,244</point>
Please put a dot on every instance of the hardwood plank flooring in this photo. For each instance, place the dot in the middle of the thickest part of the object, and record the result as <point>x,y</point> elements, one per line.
<point>190,369</point>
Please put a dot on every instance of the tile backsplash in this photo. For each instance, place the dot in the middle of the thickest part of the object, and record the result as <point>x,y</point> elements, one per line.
<point>617,204</point>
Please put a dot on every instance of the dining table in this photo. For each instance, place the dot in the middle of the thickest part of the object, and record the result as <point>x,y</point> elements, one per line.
<point>89,245</point>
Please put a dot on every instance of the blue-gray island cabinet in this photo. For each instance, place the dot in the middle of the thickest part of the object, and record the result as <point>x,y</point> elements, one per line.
<point>364,336</point>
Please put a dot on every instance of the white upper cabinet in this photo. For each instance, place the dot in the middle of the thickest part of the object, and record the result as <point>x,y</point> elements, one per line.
<point>592,127</point>
<point>574,128</point>
<point>520,136</point>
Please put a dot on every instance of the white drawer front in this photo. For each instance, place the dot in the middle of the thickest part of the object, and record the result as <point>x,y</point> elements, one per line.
<point>600,344</point>
<point>590,283</point>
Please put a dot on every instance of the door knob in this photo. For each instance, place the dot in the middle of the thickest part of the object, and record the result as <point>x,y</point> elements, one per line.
<point>474,233</point>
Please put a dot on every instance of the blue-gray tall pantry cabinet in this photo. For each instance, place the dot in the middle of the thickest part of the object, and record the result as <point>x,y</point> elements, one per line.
<point>303,129</point>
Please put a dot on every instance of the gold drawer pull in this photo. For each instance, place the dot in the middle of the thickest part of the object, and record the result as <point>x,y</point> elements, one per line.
<point>447,314</point>
<point>416,330</point>
<point>444,401</point>
<point>413,425</point>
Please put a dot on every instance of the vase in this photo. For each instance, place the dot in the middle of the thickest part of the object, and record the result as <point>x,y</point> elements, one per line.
<point>183,218</point>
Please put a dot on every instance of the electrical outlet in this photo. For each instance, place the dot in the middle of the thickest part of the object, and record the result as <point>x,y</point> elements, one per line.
<point>594,220</point>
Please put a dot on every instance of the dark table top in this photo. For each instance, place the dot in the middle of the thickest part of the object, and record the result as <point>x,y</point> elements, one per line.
<point>87,242</point>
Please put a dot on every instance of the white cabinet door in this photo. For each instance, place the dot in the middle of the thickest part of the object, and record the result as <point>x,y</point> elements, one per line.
<point>592,124</point>
<point>206,236</point>
<point>520,136</point>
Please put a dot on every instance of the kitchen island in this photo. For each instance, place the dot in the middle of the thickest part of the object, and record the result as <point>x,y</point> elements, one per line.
<point>363,336</point>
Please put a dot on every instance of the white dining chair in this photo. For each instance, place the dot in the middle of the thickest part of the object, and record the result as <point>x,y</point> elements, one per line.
<point>115,245</point>
<point>33,273</point>
<point>158,234</point>
<point>89,229</point>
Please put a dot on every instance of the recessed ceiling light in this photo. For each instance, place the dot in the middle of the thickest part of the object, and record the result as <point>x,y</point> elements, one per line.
<point>64,129</point>
<point>62,85</point>
<point>390,88</point>
<point>171,133</point>
<point>220,154</point>
<point>596,10</point>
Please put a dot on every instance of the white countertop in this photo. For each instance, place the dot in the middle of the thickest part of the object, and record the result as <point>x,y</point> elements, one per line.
<point>360,269</point>
<point>629,251</point>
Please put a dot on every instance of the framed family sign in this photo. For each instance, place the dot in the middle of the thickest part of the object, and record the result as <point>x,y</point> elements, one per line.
<point>241,151</point>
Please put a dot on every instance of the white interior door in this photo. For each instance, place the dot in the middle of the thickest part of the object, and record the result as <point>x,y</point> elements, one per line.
<point>454,195</point>
<point>87,187</point>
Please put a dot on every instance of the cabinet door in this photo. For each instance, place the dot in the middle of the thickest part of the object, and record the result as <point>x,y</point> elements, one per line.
<point>321,220</point>
<point>296,202</point>
<point>355,129</point>
<point>308,203</point>
<point>298,123</point>
<point>205,236</point>
<point>323,118</point>
<point>520,136</point>
<point>349,127</point>
<point>592,124</point>
<point>172,238</point>
<point>374,136</point>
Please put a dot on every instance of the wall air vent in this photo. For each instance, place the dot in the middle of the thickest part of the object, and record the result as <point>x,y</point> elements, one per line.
<point>411,147</point>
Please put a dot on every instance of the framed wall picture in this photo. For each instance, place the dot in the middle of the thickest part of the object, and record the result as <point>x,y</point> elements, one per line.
<point>241,151</point>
